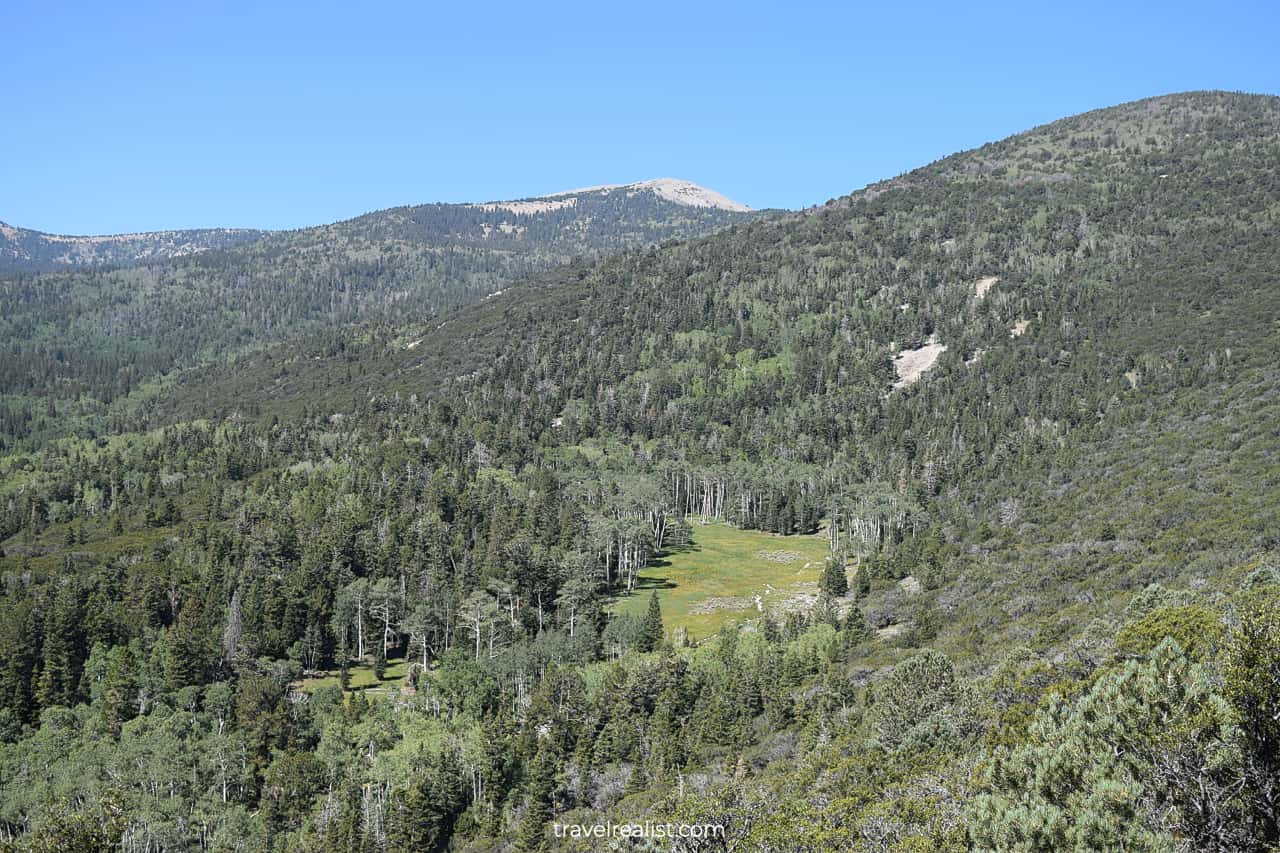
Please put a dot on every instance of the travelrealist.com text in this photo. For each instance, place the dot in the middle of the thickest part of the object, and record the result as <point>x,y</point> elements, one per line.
<point>648,829</point>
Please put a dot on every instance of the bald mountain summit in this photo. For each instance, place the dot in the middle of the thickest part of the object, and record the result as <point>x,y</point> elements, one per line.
<point>605,217</point>
<point>175,299</point>
<point>941,516</point>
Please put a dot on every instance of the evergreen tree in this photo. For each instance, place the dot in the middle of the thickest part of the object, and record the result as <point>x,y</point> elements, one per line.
<point>189,646</point>
<point>538,800</point>
<point>651,630</point>
<point>834,582</point>
<point>427,808</point>
<point>64,652</point>
<point>119,689</point>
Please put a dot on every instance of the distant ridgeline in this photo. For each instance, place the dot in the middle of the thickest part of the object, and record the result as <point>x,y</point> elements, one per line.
<point>175,299</point>
<point>25,251</point>
<point>609,217</point>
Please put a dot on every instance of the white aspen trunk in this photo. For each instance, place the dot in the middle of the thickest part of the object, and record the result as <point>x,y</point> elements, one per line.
<point>479,625</point>
<point>360,629</point>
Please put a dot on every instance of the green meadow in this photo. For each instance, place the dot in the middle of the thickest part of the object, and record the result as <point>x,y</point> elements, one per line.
<point>362,678</point>
<point>713,581</point>
<point>702,586</point>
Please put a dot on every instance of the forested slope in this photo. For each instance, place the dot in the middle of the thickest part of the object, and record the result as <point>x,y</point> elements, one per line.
<point>1049,620</point>
<point>23,250</point>
<point>83,339</point>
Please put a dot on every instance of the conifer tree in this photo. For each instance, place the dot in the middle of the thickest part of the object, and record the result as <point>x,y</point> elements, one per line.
<point>652,632</point>
<point>119,689</point>
<point>834,582</point>
<point>538,811</point>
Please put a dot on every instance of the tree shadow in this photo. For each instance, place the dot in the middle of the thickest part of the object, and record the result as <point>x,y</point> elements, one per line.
<point>648,582</point>
<point>660,560</point>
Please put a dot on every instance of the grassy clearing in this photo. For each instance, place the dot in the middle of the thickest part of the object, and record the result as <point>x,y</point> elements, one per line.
<point>714,580</point>
<point>702,586</point>
<point>362,678</point>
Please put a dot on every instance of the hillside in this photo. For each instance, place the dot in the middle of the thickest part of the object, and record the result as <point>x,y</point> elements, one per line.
<point>593,218</point>
<point>25,251</point>
<point>1024,398</point>
<point>779,348</point>
<point>99,335</point>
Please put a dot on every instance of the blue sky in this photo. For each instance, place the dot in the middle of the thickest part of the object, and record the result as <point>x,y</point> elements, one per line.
<point>139,116</point>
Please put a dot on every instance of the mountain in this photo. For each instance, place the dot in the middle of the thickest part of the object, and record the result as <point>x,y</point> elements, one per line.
<point>440,255</point>
<point>110,330</point>
<point>669,189</point>
<point>592,218</point>
<point>25,251</point>
<point>939,516</point>
<point>876,288</point>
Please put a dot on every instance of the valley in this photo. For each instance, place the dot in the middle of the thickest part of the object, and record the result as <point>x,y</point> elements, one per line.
<point>586,456</point>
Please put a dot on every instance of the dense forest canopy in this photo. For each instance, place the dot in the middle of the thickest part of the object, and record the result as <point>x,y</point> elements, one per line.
<point>391,561</point>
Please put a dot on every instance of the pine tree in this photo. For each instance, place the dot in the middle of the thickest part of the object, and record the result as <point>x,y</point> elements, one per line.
<point>652,630</point>
<point>538,811</point>
<point>833,581</point>
<point>20,634</point>
<point>1059,790</point>
<point>427,807</point>
<point>862,580</point>
<point>1252,686</point>
<point>666,731</point>
<point>119,689</point>
<point>64,653</point>
<point>855,628</point>
<point>189,646</point>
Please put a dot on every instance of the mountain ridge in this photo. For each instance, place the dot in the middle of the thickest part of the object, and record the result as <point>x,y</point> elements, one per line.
<point>406,262</point>
<point>1148,125</point>
<point>914,325</point>
<point>672,189</point>
<point>27,250</point>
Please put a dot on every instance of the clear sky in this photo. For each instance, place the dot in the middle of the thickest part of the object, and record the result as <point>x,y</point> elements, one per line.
<point>138,116</point>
